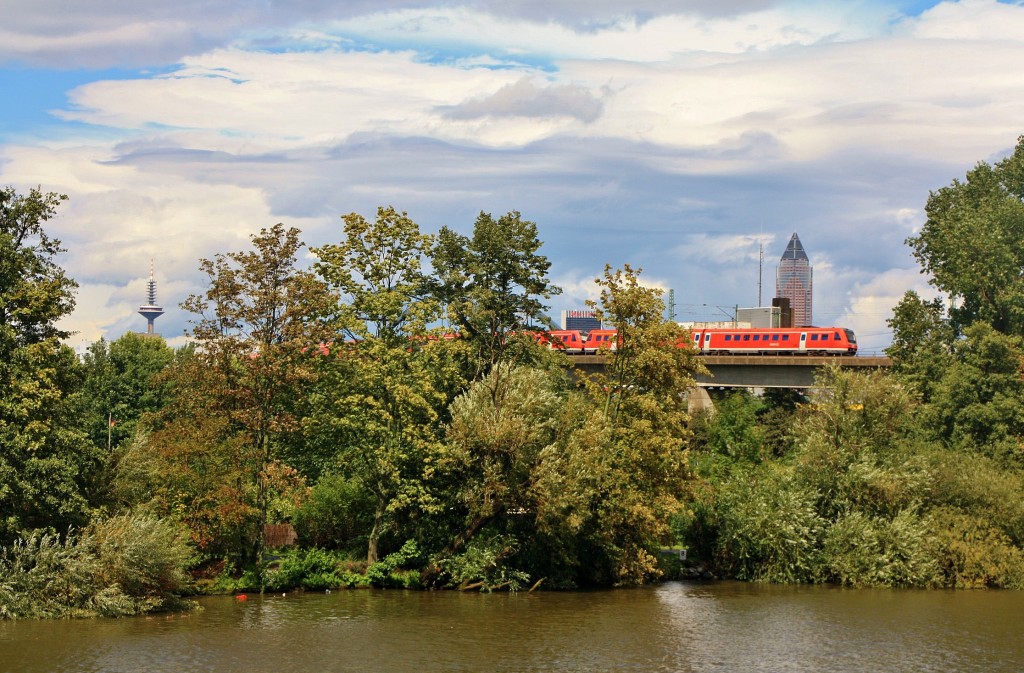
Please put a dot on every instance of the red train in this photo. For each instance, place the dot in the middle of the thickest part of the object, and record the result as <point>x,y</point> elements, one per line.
<point>723,341</point>
<point>776,341</point>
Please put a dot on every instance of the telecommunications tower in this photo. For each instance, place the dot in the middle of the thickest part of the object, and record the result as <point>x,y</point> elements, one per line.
<point>151,311</point>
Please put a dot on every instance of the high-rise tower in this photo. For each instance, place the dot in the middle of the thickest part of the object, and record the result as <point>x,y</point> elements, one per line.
<point>794,280</point>
<point>151,311</point>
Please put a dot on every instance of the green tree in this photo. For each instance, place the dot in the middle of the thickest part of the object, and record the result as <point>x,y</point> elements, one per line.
<point>34,291</point>
<point>734,431</point>
<point>972,244</point>
<point>47,465</point>
<point>492,284</point>
<point>619,471</point>
<point>922,342</point>
<point>646,376</point>
<point>500,428</point>
<point>259,324</point>
<point>978,402</point>
<point>120,385</point>
<point>380,405</point>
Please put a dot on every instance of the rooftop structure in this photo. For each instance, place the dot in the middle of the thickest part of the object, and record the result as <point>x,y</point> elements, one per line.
<point>582,320</point>
<point>794,280</point>
<point>151,311</point>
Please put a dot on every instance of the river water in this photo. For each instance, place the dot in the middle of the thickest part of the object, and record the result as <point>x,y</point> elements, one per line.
<point>724,626</point>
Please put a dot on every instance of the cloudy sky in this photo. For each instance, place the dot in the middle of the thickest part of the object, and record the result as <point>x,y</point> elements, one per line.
<point>674,135</point>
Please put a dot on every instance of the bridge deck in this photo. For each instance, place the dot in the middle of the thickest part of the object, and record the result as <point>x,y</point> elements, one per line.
<point>761,371</point>
<point>771,360</point>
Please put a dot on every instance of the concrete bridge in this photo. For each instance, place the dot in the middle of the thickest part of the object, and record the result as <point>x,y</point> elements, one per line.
<point>760,371</point>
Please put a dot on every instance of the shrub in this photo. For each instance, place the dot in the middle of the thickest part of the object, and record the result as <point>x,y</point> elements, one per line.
<point>42,576</point>
<point>311,569</point>
<point>394,570</point>
<point>482,565</point>
<point>860,550</point>
<point>125,565</point>
<point>971,553</point>
<point>145,556</point>
<point>337,515</point>
<point>768,529</point>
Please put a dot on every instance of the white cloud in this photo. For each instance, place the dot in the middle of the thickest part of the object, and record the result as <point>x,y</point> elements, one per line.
<point>667,141</point>
<point>870,305</point>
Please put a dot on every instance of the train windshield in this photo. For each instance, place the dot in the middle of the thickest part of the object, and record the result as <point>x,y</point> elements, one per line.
<point>850,336</point>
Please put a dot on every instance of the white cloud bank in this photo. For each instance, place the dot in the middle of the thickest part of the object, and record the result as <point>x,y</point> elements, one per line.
<point>666,140</point>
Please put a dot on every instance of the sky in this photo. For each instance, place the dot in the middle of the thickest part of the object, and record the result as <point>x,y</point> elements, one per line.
<point>681,137</point>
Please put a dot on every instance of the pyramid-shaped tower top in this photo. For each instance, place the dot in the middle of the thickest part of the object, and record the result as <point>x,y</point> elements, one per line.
<point>795,249</point>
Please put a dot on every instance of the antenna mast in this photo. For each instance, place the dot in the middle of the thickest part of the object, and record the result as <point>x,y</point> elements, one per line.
<point>760,268</point>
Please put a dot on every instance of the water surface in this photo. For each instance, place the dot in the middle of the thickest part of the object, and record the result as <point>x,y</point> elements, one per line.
<point>726,626</point>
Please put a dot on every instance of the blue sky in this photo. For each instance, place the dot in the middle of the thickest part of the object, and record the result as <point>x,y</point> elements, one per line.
<point>676,136</point>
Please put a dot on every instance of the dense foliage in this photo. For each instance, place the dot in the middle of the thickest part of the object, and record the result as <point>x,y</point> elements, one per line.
<point>389,405</point>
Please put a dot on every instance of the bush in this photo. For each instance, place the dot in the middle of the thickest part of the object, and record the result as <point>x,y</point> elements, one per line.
<point>337,515</point>
<point>397,570</point>
<point>313,570</point>
<point>482,565</point>
<point>41,576</point>
<point>768,529</point>
<point>861,550</point>
<point>125,565</point>
<point>143,555</point>
<point>971,553</point>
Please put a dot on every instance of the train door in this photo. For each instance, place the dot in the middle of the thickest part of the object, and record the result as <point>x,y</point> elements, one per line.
<point>707,342</point>
<point>803,342</point>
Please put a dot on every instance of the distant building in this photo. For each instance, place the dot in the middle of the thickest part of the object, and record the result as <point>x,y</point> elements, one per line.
<point>762,316</point>
<point>794,281</point>
<point>714,324</point>
<point>785,312</point>
<point>150,311</point>
<point>583,321</point>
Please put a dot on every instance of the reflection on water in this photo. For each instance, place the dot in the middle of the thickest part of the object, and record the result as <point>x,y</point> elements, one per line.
<point>674,627</point>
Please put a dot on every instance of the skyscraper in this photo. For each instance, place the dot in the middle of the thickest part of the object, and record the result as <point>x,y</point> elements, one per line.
<point>151,311</point>
<point>794,280</point>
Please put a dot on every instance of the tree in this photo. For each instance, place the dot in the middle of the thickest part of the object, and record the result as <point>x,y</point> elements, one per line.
<point>46,462</point>
<point>653,363</point>
<point>619,471</point>
<point>499,430</point>
<point>922,342</point>
<point>34,291</point>
<point>972,244</point>
<point>976,404</point>
<point>492,284</point>
<point>259,324</point>
<point>383,395</point>
<point>120,385</point>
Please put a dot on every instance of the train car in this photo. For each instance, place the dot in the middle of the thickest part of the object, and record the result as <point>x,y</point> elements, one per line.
<point>568,340</point>
<point>776,341</point>
<point>598,339</point>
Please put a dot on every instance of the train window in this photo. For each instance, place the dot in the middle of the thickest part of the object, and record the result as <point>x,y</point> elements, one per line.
<point>757,337</point>
<point>775,337</point>
<point>746,337</point>
<point>837,336</point>
<point>785,337</point>
<point>824,337</point>
<point>814,337</point>
<point>728,337</point>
